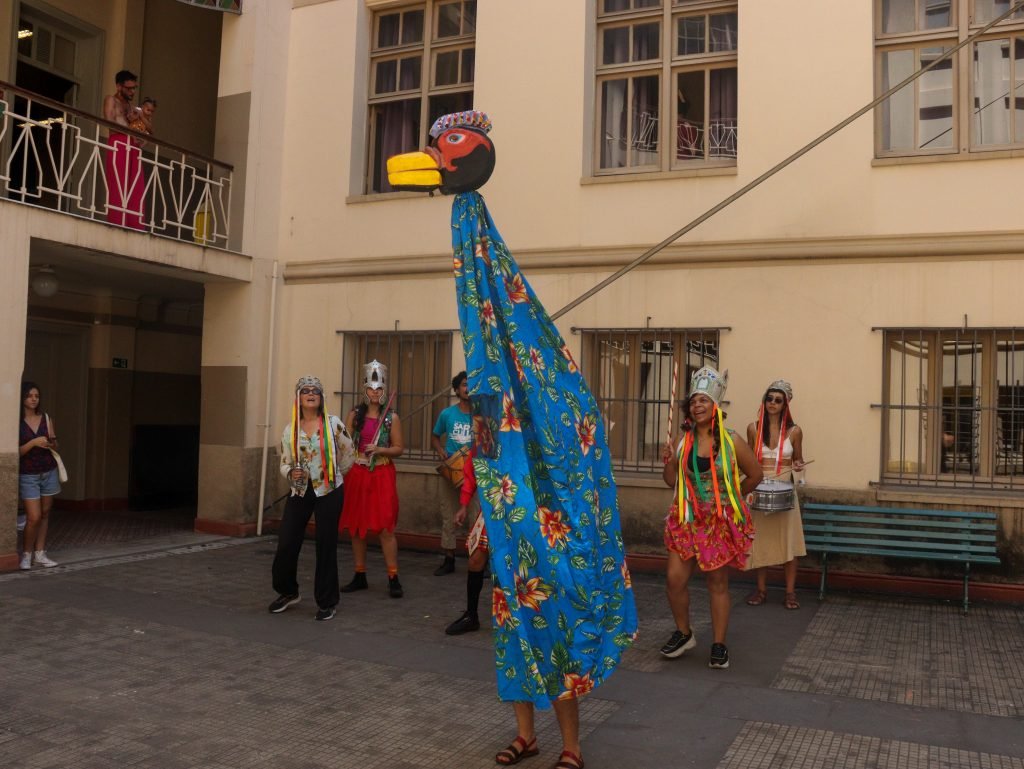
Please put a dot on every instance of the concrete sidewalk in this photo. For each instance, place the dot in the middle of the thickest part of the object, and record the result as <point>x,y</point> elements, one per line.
<point>166,658</point>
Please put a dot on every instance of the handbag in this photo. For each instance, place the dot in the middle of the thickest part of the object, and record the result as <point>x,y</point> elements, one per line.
<point>346,449</point>
<point>62,472</point>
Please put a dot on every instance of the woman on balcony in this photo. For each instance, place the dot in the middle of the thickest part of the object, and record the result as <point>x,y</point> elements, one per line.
<point>123,162</point>
<point>778,444</point>
<point>371,502</point>
<point>708,525</point>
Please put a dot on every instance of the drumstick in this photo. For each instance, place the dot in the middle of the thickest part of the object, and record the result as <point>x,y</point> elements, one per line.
<point>672,401</point>
<point>775,476</point>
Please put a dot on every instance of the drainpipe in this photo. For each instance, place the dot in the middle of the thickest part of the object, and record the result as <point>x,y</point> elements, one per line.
<point>266,415</point>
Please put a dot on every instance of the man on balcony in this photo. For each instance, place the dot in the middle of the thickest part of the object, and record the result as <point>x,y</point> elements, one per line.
<point>123,163</point>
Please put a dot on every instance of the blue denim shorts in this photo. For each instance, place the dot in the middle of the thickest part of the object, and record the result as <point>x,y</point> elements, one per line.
<point>36,485</point>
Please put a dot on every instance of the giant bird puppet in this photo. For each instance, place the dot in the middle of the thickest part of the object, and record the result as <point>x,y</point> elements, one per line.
<point>563,605</point>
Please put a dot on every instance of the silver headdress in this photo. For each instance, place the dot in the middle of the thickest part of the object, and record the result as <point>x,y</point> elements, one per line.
<point>375,377</point>
<point>707,381</point>
<point>309,381</point>
<point>783,387</point>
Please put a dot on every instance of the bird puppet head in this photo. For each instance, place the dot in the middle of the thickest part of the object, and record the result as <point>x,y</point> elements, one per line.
<point>460,157</point>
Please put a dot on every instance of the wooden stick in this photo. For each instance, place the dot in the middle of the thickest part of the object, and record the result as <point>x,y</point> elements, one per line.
<point>672,401</point>
<point>775,476</point>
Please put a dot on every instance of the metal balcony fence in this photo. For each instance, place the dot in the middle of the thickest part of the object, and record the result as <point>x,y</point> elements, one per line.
<point>58,157</point>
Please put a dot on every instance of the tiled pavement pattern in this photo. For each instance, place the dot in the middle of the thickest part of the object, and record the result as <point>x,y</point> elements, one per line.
<point>72,529</point>
<point>170,660</point>
<point>925,654</point>
<point>769,746</point>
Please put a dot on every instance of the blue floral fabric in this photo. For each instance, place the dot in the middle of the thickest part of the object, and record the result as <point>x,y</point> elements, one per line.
<point>563,604</point>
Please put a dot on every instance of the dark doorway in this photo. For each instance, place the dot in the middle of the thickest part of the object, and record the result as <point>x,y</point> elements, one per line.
<point>164,467</point>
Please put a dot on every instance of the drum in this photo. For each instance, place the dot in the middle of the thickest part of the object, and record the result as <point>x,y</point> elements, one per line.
<point>452,468</point>
<point>773,496</point>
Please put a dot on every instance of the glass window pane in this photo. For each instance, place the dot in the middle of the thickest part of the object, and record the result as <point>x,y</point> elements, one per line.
<point>445,104</point>
<point>1010,405</point>
<point>612,6</point>
<point>691,119</point>
<point>898,110</point>
<point>410,73</point>
<point>644,108</point>
<point>897,16</point>
<point>646,41</point>
<point>396,129</point>
<point>909,417</point>
<point>690,35</point>
<point>468,65</point>
<point>935,101</point>
<point>936,14</point>
<point>1018,88</point>
<point>961,402</point>
<point>613,123</point>
<point>412,27</point>
<point>991,108</point>
<point>64,54</point>
<point>647,3</point>
<point>449,20</point>
<point>387,29</point>
<point>615,47</point>
<point>469,17</point>
<point>722,129</point>
<point>386,78</point>
<point>724,33</point>
<point>986,10</point>
<point>446,68</point>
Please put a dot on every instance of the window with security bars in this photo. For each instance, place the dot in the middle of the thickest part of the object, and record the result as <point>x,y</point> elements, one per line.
<point>419,366</point>
<point>953,408</point>
<point>666,85</point>
<point>971,102</point>
<point>630,373</point>
<point>422,62</point>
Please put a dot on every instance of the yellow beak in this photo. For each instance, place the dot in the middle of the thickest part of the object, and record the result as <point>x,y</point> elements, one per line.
<point>414,171</point>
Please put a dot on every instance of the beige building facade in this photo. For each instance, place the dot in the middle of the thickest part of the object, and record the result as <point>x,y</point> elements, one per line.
<point>879,273</point>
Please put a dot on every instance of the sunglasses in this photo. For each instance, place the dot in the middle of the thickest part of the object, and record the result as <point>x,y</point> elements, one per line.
<point>309,391</point>
<point>775,399</point>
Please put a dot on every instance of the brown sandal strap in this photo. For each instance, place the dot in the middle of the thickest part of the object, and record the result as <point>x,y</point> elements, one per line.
<point>516,751</point>
<point>568,754</point>
<point>790,601</point>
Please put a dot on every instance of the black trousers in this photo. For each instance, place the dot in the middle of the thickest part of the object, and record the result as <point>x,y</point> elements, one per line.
<point>297,510</point>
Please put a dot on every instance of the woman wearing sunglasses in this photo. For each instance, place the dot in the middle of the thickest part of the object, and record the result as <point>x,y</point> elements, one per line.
<point>315,452</point>
<point>778,443</point>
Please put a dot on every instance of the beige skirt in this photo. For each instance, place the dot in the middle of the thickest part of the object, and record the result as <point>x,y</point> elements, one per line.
<point>778,537</point>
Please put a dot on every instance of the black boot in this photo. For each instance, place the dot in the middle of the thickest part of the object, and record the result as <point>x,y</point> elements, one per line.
<point>467,623</point>
<point>447,566</point>
<point>358,583</point>
<point>395,587</point>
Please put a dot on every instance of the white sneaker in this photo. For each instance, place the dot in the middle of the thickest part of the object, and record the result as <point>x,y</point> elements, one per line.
<point>26,562</point>
<point>42,559</point>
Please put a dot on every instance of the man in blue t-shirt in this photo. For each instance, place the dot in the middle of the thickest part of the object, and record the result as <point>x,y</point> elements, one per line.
<point>452,433</point>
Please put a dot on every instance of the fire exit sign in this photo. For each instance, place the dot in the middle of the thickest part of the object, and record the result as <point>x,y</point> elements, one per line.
<point>119,363</point>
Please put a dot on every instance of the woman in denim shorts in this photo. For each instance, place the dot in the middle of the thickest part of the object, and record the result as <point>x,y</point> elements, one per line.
<point>38,483</point>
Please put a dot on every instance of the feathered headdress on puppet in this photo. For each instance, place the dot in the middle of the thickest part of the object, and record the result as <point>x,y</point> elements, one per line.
<point>563,602</point>
<point>328,444</point>
<point>785,421</point>
<point>707,381</point>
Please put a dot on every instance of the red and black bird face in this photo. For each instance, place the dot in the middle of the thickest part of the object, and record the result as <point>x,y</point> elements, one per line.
<point>460,160</point>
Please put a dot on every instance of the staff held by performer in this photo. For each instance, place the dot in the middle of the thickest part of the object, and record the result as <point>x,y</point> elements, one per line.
<point>371,496</point>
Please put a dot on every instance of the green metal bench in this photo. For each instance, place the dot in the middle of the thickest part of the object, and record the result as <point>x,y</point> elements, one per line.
<point>894,532</point>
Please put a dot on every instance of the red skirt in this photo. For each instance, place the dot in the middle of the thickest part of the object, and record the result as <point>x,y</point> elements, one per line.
<point>371,500</point>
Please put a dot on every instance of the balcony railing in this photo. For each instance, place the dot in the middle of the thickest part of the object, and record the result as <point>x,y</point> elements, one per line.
<point>58,157</point>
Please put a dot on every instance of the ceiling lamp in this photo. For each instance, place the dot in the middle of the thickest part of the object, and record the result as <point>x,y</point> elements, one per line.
<point>44,282</point>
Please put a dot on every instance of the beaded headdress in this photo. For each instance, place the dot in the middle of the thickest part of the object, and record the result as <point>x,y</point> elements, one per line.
<point>783,387</point>
<point>469,119</point>
<point>707,381</point>
<point>309,381</point>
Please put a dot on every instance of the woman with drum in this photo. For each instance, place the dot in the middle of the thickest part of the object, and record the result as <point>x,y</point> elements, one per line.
<point>708,525</point>
<point>776,510</point>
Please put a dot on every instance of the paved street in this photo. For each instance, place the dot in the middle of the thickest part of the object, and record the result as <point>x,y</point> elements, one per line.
<point>166,657</point>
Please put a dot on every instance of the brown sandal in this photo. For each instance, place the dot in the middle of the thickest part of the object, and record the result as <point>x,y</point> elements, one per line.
<point>517,750</point>
<point>790,601</point>
<point>566,757</point>
<point>757,598</point>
